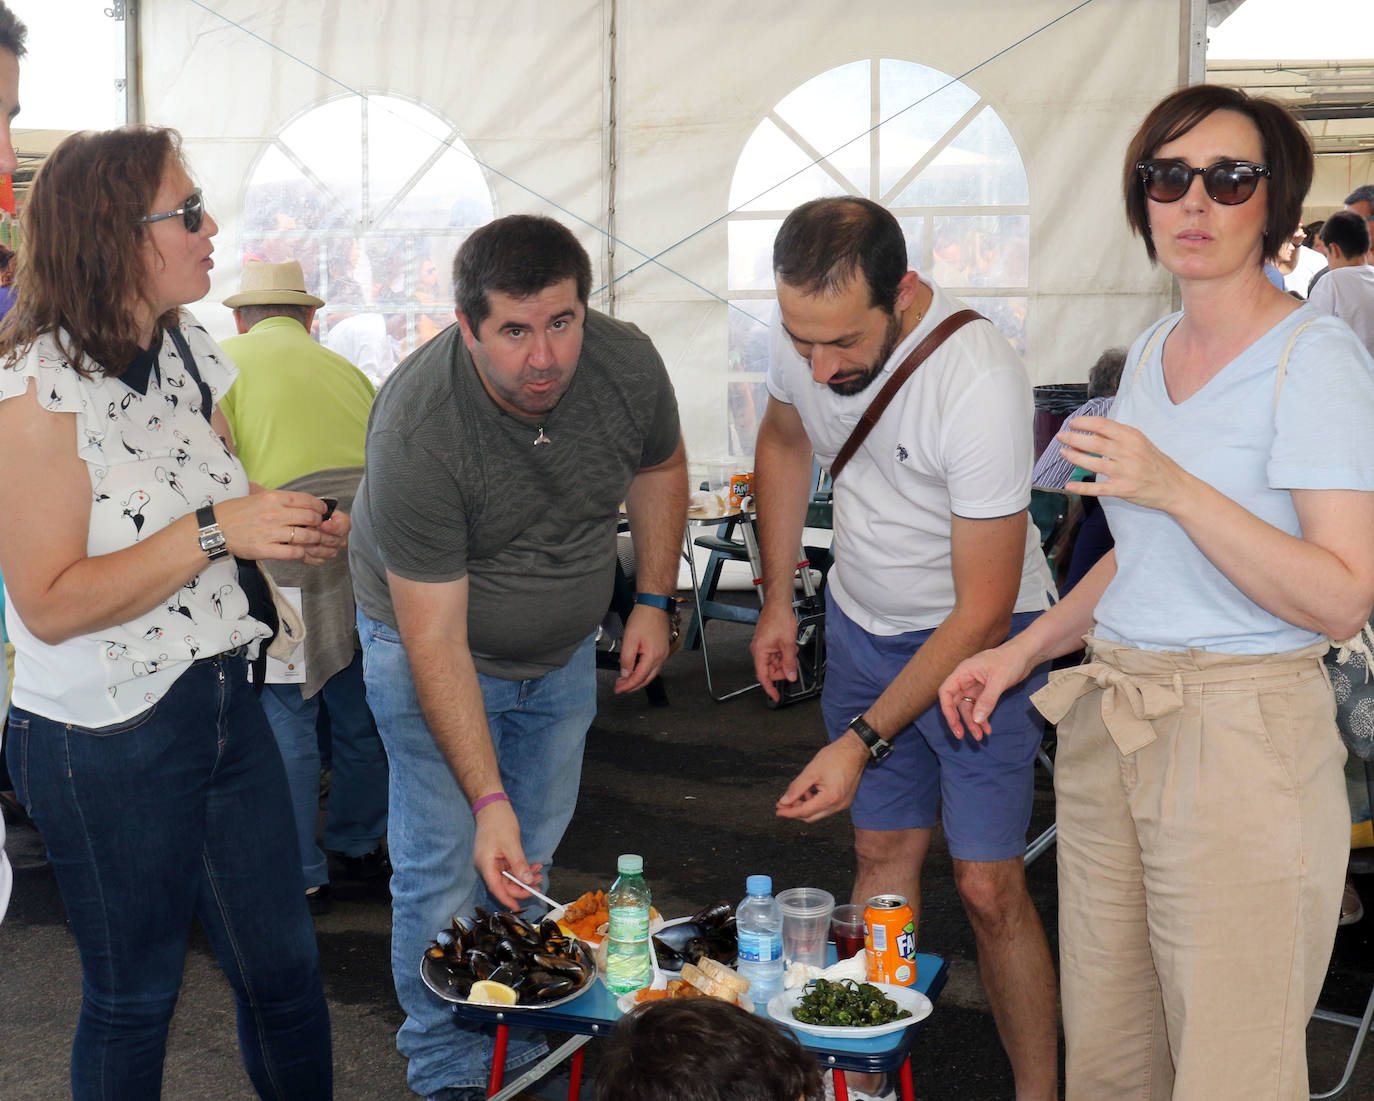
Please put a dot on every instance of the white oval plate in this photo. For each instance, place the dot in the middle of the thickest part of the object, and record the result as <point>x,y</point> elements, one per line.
<point>626,1002</point>
<point>781,1005</point>
<point>556,914</point>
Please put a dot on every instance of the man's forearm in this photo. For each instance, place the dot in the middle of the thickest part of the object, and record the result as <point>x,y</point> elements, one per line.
<point>657,505</point>
<point>451,699</point>
<point>782,489</point>
<point>917,686</point>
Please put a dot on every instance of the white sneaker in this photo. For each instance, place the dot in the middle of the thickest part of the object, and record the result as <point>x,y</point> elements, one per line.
<point>889,1092</point>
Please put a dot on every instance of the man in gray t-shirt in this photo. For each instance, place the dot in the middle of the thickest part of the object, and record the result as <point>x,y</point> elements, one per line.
<point>483,553</point>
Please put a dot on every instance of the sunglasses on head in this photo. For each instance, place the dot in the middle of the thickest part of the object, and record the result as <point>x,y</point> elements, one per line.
<point>191,213</point>
<point>1227,182</point>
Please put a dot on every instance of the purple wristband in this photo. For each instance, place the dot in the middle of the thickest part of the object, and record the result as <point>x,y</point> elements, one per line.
<point>487,800</point>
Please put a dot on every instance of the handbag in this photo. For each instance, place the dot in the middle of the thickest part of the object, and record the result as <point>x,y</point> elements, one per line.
<point>933,340</point>
<point>1349,664</point>
<point>266,603</point>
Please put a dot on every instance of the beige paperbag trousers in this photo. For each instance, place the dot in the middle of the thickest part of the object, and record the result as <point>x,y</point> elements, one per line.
<point>1203,837</point>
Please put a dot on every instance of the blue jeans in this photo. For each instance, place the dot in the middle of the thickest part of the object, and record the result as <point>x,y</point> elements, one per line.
<point>356,819</point>
<point>538,728</point>
<point>180,811</point>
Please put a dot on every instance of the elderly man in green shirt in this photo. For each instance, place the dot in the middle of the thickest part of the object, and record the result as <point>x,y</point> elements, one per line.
<point>298,413</point>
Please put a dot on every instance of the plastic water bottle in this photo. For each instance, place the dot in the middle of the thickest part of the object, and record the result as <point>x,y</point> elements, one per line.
<point>627,953</point>
<point>758,923</point>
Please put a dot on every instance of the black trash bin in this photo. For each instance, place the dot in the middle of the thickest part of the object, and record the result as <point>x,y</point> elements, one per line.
<point>1054,402</point>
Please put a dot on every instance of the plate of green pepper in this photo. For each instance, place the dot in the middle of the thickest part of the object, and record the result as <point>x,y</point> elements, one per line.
<point>849,1010</point>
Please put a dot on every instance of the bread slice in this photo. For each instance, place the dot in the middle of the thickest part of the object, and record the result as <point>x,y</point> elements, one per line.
<point>707,985</point>
<point>725,976</point>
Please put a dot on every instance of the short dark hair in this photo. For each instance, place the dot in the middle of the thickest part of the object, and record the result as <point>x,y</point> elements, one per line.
<point>251,315</point>
<point>1283,145</point>
<point>1105,375</point>
<point>12,32</point>
<point>1362,194</point>
<point>824,242</point>
<point>703,1049</point>
<point>1348,232</point>
<point>518,255</point>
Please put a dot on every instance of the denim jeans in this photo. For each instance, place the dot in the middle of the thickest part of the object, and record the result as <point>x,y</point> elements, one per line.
<point>538,728</point>
<point>356,819</point>
<point>180,811</point>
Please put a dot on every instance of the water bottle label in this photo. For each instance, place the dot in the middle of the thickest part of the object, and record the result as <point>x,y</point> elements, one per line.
<point>759,948</point>
<point>629,923</point>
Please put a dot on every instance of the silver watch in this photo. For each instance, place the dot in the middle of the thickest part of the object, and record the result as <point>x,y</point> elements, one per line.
<point>212,540</point>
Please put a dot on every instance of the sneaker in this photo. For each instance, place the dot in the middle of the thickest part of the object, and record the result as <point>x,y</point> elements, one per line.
<point>371,865</point>
<point>458,1093</point>
<point>1352,909</point>
<point>317,898</point>
<point>889,1091</point>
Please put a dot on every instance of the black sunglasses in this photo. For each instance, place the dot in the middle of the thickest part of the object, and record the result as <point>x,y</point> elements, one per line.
<point>191,213</point>
<point>1227,182</point>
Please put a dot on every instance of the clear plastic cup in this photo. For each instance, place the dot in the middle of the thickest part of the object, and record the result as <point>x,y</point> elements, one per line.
<point>847,923</point>
<point>805,924</point>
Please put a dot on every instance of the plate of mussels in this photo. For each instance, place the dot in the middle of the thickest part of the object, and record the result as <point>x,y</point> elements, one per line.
<point>541,963</point>
<point>708,932</point>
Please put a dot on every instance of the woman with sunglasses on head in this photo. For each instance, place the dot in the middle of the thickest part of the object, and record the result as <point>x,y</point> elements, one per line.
<point>1203,823</point>
<point>135,742</point>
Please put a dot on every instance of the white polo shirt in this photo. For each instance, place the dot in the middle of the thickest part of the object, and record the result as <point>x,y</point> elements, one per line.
<point>1348,293</point>
<point>957,440</point>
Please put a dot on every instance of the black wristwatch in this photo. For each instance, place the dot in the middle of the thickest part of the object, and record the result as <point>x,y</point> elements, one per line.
<point>212,540</point>
<point>877,747</point>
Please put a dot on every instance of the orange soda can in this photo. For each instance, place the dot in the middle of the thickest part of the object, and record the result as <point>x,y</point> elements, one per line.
<point>890,938</point>
<point>741,486</point>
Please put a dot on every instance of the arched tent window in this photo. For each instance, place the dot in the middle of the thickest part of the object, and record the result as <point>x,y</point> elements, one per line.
<point>947,168</point>
<point>373,194</point>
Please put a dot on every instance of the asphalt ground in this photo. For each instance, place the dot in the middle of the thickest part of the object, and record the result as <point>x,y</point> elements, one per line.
<point>691,786</point>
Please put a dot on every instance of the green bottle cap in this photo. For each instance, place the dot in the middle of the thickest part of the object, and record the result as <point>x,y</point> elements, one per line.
<point>630,864</point>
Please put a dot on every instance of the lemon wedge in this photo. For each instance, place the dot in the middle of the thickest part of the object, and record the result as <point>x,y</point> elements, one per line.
<point>486,992</point>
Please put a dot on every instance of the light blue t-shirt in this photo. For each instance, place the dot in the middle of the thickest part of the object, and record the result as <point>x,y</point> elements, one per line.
<point>1166,594</point>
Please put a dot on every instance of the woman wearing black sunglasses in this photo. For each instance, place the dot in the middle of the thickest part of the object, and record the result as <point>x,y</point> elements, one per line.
<point>1203,823</point>
<point>135,742</point>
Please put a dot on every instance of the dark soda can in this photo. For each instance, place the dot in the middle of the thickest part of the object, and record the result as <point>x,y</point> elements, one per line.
<point>890,938</point>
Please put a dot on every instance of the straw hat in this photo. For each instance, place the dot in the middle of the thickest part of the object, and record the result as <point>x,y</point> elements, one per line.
<point>265,284</point>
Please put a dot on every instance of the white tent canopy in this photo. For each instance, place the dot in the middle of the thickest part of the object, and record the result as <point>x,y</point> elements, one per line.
<point>373,135</point>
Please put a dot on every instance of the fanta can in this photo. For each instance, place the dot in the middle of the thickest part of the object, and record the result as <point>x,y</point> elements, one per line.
<point>890,938</point>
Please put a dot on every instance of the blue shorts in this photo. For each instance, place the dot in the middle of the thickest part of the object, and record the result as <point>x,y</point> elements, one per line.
<point>982,790</point>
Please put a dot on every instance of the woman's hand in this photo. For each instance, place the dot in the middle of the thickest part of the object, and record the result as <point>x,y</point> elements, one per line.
<point>1129,466</point>
<point>280,524</point>
<point>969,694</point>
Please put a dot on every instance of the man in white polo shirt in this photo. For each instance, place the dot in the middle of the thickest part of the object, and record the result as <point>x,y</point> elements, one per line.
<point>1347,291</point>
<point>934,559</point>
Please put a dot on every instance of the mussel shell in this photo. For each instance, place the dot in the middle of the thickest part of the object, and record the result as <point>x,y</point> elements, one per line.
<point>676,938</point>
<point>714,914</point>
<point>519,930</point>
<point>512,974</point>
<point>559,965</point>
<point>481,964</point>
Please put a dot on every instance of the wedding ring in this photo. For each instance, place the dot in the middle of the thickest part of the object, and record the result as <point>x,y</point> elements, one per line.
<point>292,538</point>
<point>969,699</point>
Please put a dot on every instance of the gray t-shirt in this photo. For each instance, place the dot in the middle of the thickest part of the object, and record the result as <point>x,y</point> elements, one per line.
<point>455,487</point>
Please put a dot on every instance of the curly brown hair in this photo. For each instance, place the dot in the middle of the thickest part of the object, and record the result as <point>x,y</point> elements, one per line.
<point>82,273</point>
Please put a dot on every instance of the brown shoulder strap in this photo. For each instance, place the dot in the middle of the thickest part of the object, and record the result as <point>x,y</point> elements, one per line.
<point>933,340</point>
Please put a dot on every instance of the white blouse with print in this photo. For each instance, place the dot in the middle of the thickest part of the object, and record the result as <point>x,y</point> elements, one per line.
<point>152,459</point>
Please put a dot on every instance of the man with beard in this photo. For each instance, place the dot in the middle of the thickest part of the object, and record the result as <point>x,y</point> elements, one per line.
<point>483,559</point>
<point>934,559</point>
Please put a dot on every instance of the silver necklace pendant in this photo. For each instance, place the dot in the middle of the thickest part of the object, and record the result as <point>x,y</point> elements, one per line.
<point>541,438</point>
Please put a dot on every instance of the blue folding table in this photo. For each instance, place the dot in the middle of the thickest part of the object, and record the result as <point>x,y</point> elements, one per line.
<point>594,1013</point>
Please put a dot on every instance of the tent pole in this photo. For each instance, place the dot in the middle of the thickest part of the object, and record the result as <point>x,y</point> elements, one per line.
<point>1192,54</point>
<point>133,65</point>
<point>611,139</point>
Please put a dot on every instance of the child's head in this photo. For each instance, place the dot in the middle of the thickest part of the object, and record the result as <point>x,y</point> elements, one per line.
<point>703,1049</point>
